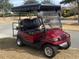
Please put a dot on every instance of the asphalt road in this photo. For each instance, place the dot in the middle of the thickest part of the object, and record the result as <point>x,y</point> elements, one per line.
<point>6,31</point>
<point>74,38</point>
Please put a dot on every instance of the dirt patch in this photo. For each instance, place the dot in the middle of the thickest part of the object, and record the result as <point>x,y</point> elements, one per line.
<point>9,20</point>
<point>9,50</point>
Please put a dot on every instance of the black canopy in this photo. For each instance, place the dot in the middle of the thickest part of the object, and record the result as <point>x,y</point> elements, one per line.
<point>36,7</point>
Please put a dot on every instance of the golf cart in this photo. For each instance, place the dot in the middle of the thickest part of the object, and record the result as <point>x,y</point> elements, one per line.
<point>43,31</point>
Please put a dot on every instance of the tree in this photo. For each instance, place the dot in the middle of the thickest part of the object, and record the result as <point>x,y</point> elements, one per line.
<point>70,1</point>
<point>5,6</point>
<point>30,1</point>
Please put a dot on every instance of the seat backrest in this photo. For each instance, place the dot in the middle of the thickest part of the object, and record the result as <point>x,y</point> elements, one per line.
<point>31,24</point>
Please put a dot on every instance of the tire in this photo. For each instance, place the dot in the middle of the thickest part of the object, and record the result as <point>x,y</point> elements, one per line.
<point>19,42</point>
<point>68,45</point>
<point>51,52</point>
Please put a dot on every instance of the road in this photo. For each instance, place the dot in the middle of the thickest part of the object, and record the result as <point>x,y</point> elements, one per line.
<point>74,38</point>
<point>6,31</point>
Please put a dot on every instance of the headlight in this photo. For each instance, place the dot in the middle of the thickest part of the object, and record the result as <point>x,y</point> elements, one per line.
<point>55,39</point>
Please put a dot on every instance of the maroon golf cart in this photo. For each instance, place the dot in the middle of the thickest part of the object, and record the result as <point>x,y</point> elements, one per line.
<point>43,30</point>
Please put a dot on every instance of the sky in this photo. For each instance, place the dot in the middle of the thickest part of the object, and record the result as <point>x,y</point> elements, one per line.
<point>20,2</point>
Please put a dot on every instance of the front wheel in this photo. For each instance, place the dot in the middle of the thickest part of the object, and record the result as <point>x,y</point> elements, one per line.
<point>68,45</point>
<point>50,51</point>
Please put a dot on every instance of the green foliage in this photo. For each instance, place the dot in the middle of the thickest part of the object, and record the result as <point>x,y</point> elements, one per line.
<point>67,13</point>
<point>66,1</point>
<point>5,5</point>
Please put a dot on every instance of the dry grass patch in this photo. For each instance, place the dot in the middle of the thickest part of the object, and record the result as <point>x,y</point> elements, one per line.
<point>9,50</point>
<point>7,20</point>
<point>74,27</point>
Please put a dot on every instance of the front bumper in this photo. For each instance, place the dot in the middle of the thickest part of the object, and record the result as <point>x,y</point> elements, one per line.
<point>63,45</point>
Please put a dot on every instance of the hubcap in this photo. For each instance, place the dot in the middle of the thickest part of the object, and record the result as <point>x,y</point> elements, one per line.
<point>48,51</point>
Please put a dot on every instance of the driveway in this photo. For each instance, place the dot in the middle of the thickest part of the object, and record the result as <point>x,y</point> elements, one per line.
<point>6,31</point>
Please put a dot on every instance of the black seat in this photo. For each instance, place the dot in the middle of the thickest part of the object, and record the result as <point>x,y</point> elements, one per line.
<point>30,25</point>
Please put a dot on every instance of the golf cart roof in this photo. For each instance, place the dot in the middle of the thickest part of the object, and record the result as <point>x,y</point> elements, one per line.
<point>36,7</point>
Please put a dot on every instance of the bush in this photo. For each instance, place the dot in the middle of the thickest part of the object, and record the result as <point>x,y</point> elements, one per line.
<point>67,13</point>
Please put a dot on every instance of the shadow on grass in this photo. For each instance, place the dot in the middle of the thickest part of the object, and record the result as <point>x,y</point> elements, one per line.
<point>9,44</point>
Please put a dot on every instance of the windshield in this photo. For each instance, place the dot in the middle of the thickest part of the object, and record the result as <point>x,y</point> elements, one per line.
<point>51,20</point>
<point>52,23</point>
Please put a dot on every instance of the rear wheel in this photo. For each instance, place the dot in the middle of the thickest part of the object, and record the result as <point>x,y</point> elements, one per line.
<point>19,42</point>
<point>50,51</point>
